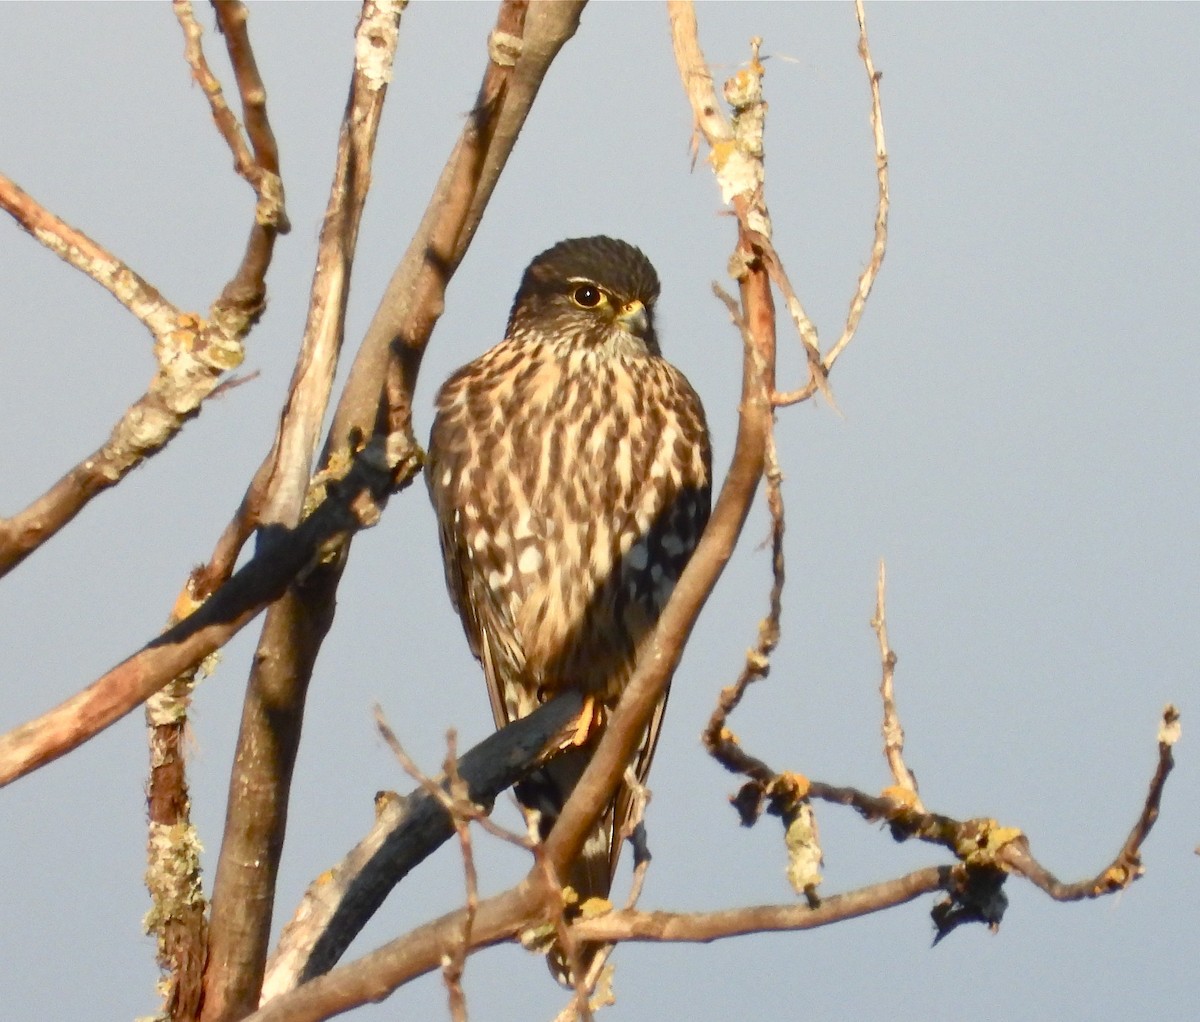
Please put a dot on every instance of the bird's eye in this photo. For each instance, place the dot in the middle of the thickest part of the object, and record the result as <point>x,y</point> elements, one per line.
<point>587,296</point>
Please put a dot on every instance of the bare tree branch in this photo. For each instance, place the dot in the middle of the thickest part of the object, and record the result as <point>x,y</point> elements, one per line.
<point>277,492</point>
<point>866,279</point>
<point>982,846</point>
<point>818,366</point>
<point>192,353</point>
<point>76,249</point>
<point>260,169</point>
<point>987,851</point>
<point>178,918</point>
<point>352,505</point>
<point>703,927</point>
<point>223,117</point>
<point>406,831</point>
<point>1126,866</point>
<point>192,356</point>
<point>905,789</point>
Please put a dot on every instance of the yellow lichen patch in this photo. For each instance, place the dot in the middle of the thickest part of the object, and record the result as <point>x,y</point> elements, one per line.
<point>595,907</point>
<point>185,603</point>
<point>721,152</point>
<point>980,841</point>
<point>789,785</point>
<point>1117,877</point>
<point>900,796</point>
<point>537,938</point>
<point>804,851</point>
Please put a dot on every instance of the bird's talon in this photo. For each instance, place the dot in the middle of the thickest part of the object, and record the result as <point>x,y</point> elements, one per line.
<point>589,721</point>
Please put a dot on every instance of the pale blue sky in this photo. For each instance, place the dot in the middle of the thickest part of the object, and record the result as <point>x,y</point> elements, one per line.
<point>1018,439</point>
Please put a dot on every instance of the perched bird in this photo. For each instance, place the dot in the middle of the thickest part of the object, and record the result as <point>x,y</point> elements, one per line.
<point>570,470</point>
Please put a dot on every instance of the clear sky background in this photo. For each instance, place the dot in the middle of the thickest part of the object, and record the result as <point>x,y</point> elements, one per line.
<point>1017,439</point>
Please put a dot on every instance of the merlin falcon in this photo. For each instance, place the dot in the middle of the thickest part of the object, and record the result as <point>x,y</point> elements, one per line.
<point>570,471</point>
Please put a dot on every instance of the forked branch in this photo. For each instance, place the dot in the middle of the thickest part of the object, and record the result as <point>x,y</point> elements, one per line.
<point>193,353</point>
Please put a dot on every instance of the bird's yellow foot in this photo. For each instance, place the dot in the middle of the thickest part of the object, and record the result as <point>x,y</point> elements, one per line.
<point>587,724</point>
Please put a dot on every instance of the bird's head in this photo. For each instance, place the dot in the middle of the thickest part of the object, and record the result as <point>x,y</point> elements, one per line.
<point>596,293</point>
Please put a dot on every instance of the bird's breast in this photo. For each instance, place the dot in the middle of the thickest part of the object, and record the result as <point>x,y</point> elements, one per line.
<point>580,480</point>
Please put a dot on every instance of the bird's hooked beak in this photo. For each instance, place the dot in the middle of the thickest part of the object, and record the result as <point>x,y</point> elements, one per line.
<point>634,318</point>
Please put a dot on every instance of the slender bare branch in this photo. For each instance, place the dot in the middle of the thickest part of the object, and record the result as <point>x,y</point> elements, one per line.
<point>703,927</point>
<point>720,742</point>
<point>232,17</point>
<point>192,356</point>
<point>456,961</point>
<point>74,247</point>
<point>1126,866</point>
<point>352,505</point>
<point>818,366</point>
<point>866,279</point>
<point>224,118</point>
<point>905,788</point>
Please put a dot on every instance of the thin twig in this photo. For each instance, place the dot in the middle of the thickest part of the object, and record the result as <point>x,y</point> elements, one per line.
<point>720,742</point>
<point>192,354</point>
<point>883,202</point>
<point>905,788</point>
<point>1126,866</point>
<point>456,960</point>
<point>819,367</point>
<point>669,927</point>
<point>74,247</point>
<point>231,19</point>
<point>224,118</point>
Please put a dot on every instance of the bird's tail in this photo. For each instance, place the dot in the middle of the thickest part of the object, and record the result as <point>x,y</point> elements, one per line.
<point>543,795</point>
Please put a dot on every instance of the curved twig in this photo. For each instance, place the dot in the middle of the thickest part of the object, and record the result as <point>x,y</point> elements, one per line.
<point>703,927</point>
